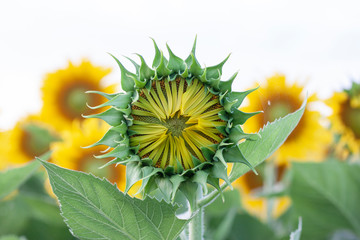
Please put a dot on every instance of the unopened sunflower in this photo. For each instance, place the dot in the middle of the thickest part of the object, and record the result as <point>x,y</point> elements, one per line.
<point>70,153</point>
<point>64,97</point>
<point>30,138</point>
<point>174,124</point>
<point>345,120</point>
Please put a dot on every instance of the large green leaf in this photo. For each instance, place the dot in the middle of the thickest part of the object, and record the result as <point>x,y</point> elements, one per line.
<point>95,209</point>
<point>273,135</point>
<point>327,196</point>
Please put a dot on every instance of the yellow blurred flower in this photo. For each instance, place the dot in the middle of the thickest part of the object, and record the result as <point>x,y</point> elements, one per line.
<point>30,138</point>
<point>345,120</point>
<point>308,142</point>
<point>250,183</point>
<point>70,152</point>
<point>64,97</point>
<point>277,98</point>
<point>4,143</point>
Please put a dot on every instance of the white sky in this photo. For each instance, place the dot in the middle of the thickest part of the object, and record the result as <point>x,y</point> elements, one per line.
<point>312,41</point>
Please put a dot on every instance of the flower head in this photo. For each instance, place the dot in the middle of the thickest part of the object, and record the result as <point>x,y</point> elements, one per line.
<point>345,119</point>
<point>64,97</point>
<point>174,123</point>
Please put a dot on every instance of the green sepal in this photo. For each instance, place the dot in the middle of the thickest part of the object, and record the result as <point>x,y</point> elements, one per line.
<point>221,129</point>
<point>195,67</point>
<point>145,71</point>
<point>235,155</point>
<point>165,186</point>
<point>169,170</point>
<point>117,161</point>
<point>137,66</point>
<point>162,70</point>
<point>195,160</point>
<point>215,183</point>
<point>180,168</point>
<point>240,117</point>
<point>207,153</point>
<point>229,105</point>
<point>147,172</point>
<point>157,58</point>
<point>111,137</point>
<point>175,63</point>
<point>225,86</point>
<point>219,155</point>
<point>133,174</point>
<point>108,96</point>
<point>223,115</point>
<point>214,72</point>
<point>189,189</point>
<point>220,171</point>
<point>112,116</point>
<point>120,152</point>
<point>122,100</point>
<point>200,177</point>
<point>236,134</point>
<point>190,59</point>
<point>151,186</point>
<point>240,96</point>
<point>127,82</point>
<point>176,180</point>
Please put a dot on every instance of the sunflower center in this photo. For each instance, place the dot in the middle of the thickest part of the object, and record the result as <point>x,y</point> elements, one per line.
<point>351,118</point>
<point>35,140</point>
<point>92,165</point>
<point>76,100</point>
<point>73,99</point>
<point>278,109</point>
<point>174,120</point>
<point>176,125</point>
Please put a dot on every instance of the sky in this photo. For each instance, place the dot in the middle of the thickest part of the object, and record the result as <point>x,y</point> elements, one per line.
<point>313,42</point>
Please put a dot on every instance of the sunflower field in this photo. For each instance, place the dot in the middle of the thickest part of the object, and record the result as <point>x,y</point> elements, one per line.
<point>158,146</point>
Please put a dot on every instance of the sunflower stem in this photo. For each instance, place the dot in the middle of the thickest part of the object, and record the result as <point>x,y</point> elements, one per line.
<point>196,226</point>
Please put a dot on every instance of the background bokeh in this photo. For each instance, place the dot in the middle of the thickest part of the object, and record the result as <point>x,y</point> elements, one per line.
<point>316,42</point>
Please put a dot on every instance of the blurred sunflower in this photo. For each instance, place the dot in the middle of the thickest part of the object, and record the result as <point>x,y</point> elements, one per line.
<point>29,138</point>
<point>345,120</point>
<point>250,183</point>
<point>70,152</point>
<point>64,94</point>
<point>308,141</point>
<point>4,141</point>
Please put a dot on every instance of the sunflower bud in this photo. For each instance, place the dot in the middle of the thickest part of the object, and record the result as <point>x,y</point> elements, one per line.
<point>173,124</point>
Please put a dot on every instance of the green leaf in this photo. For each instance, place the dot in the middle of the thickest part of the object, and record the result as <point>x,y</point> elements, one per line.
<point>34,216</point>
<point>326,196</point>
<point>12,179</point>
<point>12,237</point>
<point>95,209</point>
<point>297,233</point>
<point>273,135</point>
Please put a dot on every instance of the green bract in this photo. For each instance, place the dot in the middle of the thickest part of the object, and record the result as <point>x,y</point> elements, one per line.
<point>174,124</point>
